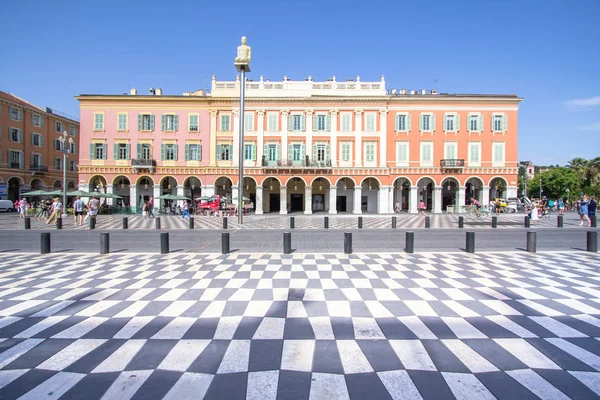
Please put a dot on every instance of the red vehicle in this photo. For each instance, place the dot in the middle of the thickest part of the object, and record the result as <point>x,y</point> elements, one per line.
<point>214,203</point>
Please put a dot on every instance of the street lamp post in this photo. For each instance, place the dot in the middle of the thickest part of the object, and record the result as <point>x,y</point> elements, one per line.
<point>66,150</point>
<point>242,64</point>
<point>540,188</point>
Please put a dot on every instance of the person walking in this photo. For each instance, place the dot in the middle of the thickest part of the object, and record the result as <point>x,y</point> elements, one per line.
<point>397,206</point>
<point>78,208</point>
<point>422,208</point>
<point>151,208</point>
<point>592,208</point>
<point>561,206</point>
<point>145,210</point>
<point>23,206</point>
<point>93,207</point>
<point>56,210</point>
<point>186,210</point>
<point>535,209</point>
<point>497,206</point>
<point>583,210</point>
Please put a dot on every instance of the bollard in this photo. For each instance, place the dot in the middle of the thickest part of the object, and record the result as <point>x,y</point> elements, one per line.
<point>164,243</point>
<point>326,222</point>
<point>409,246</point>
<point>157,223</point>
<point>427,222</point>
<point>593,222</point>
<point>470,247</point>
<point>531,242</point>
<point>104,243</point>
<point>348,243</point>
<point>494,222</point>
<point>292,223</point>
<point>527,221</point>
<point>59,223</point>
<point>92,223</point>
<point>559,221</point>
<point>125,223</point>
<point>225,243</point>
<point>287,243</point>
<point>27,223</point>
<point>461,222</point>
<point>393,222</point>
<point>45,243</point>
<point>592,241</point>
<point>359,222</point>
<point>224,222</point>
<point>191,223</point>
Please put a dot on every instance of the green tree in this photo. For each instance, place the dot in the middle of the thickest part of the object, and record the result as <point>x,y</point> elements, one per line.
<point>555,183</point>
<point>522,179</point>
<point>587,170</point>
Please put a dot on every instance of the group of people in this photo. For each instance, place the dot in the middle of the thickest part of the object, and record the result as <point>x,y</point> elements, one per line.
<point>586,207</point>
<point>148,208</point>
<point>50,210</point>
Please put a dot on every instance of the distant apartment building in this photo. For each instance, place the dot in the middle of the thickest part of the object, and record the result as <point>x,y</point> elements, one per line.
<point>30,153</point>
<point>530,169</point>
<point>333,146</point>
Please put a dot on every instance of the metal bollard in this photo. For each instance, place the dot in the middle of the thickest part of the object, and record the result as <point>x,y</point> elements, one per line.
<point>92,223</point>
<point>125,223</point>
<point>359,222</point>
<point>559,221</point>
<point>45,243</point>
<point>531,242</point>
<point>461,222</point>
<point>191,223</point>
<point>157,222</point>
<point>470,247</point>
<point>427,222</point>
<point>348,243</point>
<point>593,222</point>
<point>527,222</point>
<point>287,243</point>
<point>224,222</point>
<point>104,243</point>
<point>393,222</point>
<point>225,243</point>
<point>494,222</point>
<point>409,246</point>
<point>592,241</point>
<point>164,243</point>
<point>59,223</point>
<point>27,223</point>
<point>292,222</point>
<point>326,222</point>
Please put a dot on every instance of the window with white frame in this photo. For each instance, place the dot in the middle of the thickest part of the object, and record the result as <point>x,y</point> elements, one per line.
<point>321,122</point>
<point>16,135</point>
<point>170,122</point>
<point>57,145</point>
<point>122,122</point>
<point>474,154</point>
<point>193,121</point>
<point>36,160</point>
<point>346,151</point>
<point>169,152</point>
<point>224,152</point>
<point>36,120</point>
<point>426,154</point>
<point>427,122</point>
<point>346,125</point>
<point>249,151</point>
<point>451,123</point>
<point>272,152</point>
<point>370,152</point>
<point>402,122</point>
<point>122,151</point>
<point>15,159</point>
<point>272,122</point>
<point>370,124</point>
<point>450,150</point>
<point>36,140</point>
<point>72,130</point>
<point>499,122</point>
<point>72,148</point>
<point>57,163</point>
<point>297,152</point>
<point>99,151</point>
<point>193,152</point>
<point>58,126</point>
<point>71,165</point>
<point>98,122</point>
<point>402,154</point>
<point>296,122</point>
<point>498,154</point>
<point>475,123</point>
<point>145,122</point>
<point>248,121</point>
<point>225,123</point>
<point>16,114</point>
<point>321,154</point>
<point>146,151</point>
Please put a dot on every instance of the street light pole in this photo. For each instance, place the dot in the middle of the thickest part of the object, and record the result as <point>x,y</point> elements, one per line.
<point>540,188</point>
<point>63,140</point>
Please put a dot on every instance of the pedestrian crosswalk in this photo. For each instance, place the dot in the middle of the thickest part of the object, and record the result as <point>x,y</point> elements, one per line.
<point>266,326</point>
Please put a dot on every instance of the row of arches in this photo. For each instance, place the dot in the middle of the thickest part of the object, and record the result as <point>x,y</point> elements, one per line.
<point>16,186</point>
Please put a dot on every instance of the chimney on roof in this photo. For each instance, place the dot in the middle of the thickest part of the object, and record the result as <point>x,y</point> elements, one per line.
<point>133,91</point>
<point>433,91</point>
<point>151,92</point>
<point>423,91</point>
<point>159,92</point>
<point>403,91</point>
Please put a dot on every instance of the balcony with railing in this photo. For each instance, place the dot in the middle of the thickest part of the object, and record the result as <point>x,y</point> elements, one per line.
<point>452,163</point>
<point>38,169</point>
<point>15,165</point>
<point>143,163</point>
<point>305,163</point>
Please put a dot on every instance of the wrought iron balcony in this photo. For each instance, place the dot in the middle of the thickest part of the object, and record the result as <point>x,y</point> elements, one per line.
<point>15,165</point>
<point>38,168</point>
<point>143,163</point>
<point>296,164</point>
<point>453,163</point>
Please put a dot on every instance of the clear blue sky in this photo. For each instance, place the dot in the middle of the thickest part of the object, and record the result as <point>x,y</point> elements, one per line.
<point>545,51</point>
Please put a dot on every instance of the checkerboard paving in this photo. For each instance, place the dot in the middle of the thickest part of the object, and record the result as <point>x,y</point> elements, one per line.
<point>260,326</point>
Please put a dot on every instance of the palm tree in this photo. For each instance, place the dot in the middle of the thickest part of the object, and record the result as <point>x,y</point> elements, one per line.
<point>588,170</point>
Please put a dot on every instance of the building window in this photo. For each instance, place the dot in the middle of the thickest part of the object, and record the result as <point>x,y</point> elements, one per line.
<point>71,165</point>
<point>122,122</point>
<point>402,154</point>
<point>169,152</point>
<point>98,122</point>
<point>403,122</point>
<point>16,135</point>
<point>296,152</point>
<point>370,122</point>
<point>145,122</point>
<point>16,114</point>
<point>346,151</point>
<point>426,154</point>
<point>272,122</point>
<point>225,123</point>
<point>451,123</point>
<point>427,122</point>
<point>248,122</point>
<point>193,152</point>
<point>170,123</point>
<point>321,152</point>
<point>99,151</point>
<point>346,122</point>
<point>370,152</point>
<point>322,122</point>
<point>474,154</point>
<point>58,126</point>
<point>296,122</point>
<point>146,152</point>
<point>249,152</point>
<point>450,150</point>
<point>15,159</point>
<point>72,148</point>
<point>36,160</point>
<point>37,140</point>
<point>224,152</point>
<point>72,130</point>
<point>57,163</point>
<point>57,145</point>
<point>36,120</point>
<point>475,122</point>
<point>272,154</point>
<point>122,151</point>
<point>498,149</point>
<point>499,122</point>
<point>193,123</point>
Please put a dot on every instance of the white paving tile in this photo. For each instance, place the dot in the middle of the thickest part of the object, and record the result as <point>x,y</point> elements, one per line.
<point>119,359</point>
<point>262,385</point>
<point>297,355</point>
<point>328,387</point>
<point>537,385</point>
<point>413,355</point>
<point>54,387</point>
<point>125,386</point>
<point>526,353</point>
<point>236,357</point>
<point>467,387</point>
<point>183,354</point>
<point>70,354</point>
<point>399,385</point>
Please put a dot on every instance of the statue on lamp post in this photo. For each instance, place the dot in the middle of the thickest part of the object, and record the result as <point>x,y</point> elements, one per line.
<point>244,55</point>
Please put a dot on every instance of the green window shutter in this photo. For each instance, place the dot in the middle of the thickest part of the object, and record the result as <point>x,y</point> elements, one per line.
<point>457,122</point>
<point>128,151</point>
<point>408,120</point>
<point>290,151</point>
<point>162,151</point>
<point>199,152</point>
<point>41,122</point>
<point>421,122</point>
<point>218,152</point>
<point>152,122</point>
<point>32,137</point>
<point>140,122</point>
<point>41,141</point>
<point>480,123</point>
<point>433,122</point>
<point>187,152</point>
<point>115,151</point>
<point>104,151</point>
<point>163,122</point>
<point>302,122</point>
<point>328,122</point>
<point>139,150</point>
<point>176,123</point>
<point>397,122</point>
<point>175,151</point>
<point>254,152</point>
<point>314,153</point>
<point>505,123</point>
<point>290,122</point>
<point>92,152</point>
<point>278,156</point>
<point>327,152</point>
<point>315,122</point>
<point>266,152</point>
<point>302,151</point>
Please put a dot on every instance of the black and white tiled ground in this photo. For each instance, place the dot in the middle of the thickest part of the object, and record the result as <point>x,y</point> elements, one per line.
<point>386,326</point>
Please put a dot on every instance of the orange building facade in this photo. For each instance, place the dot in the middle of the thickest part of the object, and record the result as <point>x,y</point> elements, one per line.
<point>333,147</point>
<point>30,154</point>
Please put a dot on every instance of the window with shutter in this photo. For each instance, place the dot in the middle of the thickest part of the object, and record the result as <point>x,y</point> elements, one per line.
<point>402,153</point>
<point>98,123</point>
<point>193,123</point>
<point>474,125</point>
<point>498,154</point>
<point>449,125</point>
<point>187,152</point>
<point>248,152</point>
<point>346,151</point>
<point>474,154</point>
<point>122,122</point>
<point>225,123</point>
<point>272,122</point>
<point>426,154</point>
<point>498,123</point>
<point>346,122</point>
<point>426,122</point>
<point>249,122</point>
<point>450,150</point>
<point>370,122</point>
<point>370,152</point>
